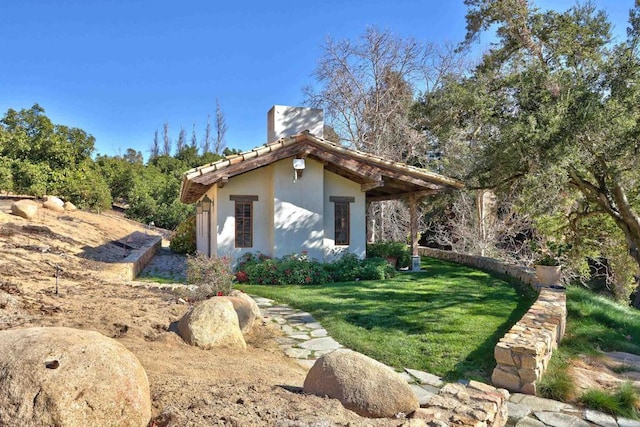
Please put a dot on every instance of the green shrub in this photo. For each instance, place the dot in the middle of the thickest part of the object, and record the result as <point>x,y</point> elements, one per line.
<point>298,269</point>
<point>349,267</point>
<point>212,276</point>
<point>291,269</point>
<point>623,401</point>
<point>184,239</point>
<point>376,269</point>
<point>556,383</point>
<point>389,250</point>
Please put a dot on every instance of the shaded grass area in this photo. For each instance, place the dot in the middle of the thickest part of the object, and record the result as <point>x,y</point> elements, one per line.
<point>445,320</point>
<point>594,324</point>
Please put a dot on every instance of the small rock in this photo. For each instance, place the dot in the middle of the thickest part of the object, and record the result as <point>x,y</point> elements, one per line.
<point>321,344</point>
<point>625,422</point>
<point>422,395</point>
<point>604,420</point>
<point>557,419</point>
<point>517,411</point>
<point>425,377</point>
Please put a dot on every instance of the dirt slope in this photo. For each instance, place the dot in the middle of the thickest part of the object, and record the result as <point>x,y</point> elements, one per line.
<point>189,386</point>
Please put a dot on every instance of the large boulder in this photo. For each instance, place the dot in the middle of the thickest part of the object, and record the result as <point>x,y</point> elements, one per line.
<point>212,323</point>
<point>361,384</point>
<point>248,312</point>
<point>68,206</point>
<point>26,209</point>
<point>53,206</point>
<point>68,377</point>
<point>53,200</point>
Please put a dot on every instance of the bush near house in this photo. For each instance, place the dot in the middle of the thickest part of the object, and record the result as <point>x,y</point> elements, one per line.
<point>298,269</point>
<point>212,276</point>
<point>184,239</point>
<point>396,253</point>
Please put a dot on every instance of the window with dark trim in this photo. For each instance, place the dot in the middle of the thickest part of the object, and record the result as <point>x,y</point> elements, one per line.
<point>244,220</point>
<point>341,210</point>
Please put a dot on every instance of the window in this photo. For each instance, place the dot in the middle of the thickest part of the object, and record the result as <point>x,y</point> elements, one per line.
<point>341,219</point>
<point>341,210</point>
<point>244,220</point>
<point>244,224</point>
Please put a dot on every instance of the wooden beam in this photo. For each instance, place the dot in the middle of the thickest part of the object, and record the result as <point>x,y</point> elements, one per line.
<point>354,166</point>
<point>413,214</point>
<point>371,185</point>
<point>398,196</point>
<point>223,181</point>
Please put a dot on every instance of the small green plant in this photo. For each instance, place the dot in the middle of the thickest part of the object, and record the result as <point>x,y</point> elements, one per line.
<point>212,276</point>
<point>397,253</point>
<point>550,253</point>
<point>621,401</point>
<point>556,383</point>
<point>184,239</point>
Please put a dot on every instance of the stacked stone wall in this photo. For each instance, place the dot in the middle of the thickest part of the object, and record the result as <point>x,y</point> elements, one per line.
<point>129,268</point>
<point>523,354</point>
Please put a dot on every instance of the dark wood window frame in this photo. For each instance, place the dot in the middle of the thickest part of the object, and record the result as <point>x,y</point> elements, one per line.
<point>342,219</point>
<point>243,212</point>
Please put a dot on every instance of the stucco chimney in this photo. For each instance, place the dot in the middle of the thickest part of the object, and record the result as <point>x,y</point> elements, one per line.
<point>285,121</point>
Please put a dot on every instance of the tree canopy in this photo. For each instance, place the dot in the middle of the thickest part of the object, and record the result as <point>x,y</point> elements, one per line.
<point>551,109</point>
<point>38,157</point>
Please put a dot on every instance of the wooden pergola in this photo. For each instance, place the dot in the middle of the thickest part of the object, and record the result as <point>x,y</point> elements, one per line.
<point>379,178</point>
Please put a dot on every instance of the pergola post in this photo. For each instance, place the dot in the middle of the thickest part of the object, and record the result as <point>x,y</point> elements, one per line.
<point>413,213</point>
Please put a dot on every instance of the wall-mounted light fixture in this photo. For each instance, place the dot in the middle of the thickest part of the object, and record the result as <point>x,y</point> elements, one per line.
<point>206,204</point>
<point>298,168</point>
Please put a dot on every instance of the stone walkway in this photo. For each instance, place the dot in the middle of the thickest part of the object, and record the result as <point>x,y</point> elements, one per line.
<point>305,340</point>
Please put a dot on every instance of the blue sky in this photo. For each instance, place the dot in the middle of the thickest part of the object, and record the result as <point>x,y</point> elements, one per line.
<point>119,69</point>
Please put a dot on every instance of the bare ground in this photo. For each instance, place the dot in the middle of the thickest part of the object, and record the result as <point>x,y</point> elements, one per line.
<point>189,386</point>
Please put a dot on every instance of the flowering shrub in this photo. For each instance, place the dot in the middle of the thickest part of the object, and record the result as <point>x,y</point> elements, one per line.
<point>298,269</point>
<point>212,276</point>
<point>291,269</point>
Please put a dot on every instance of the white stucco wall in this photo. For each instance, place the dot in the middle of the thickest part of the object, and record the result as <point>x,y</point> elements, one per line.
<point>298,209</point>
<point>337,186</point>
<point>289,216</point>
<point>254,183</point>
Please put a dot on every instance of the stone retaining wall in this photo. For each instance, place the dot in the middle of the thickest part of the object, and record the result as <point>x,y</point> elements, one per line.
<point>134,263</point>
<point>523,274</point>
<point>523,353</point>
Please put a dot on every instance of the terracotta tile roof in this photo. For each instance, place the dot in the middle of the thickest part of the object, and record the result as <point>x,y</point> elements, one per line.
<point>196,181</point>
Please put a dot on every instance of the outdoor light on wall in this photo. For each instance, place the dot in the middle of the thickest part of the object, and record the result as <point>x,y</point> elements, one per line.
<point>199,208</point>
<point>298,168</point>
<point>206,204</point>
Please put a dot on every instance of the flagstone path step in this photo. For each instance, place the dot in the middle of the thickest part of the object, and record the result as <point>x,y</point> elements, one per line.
<point>305,340</point>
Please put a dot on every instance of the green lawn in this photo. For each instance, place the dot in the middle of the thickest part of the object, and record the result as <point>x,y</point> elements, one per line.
<point>445,320</point>
<point>598,323</point>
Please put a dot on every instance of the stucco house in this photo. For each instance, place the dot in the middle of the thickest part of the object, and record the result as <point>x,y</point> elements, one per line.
<point>299,192</point>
